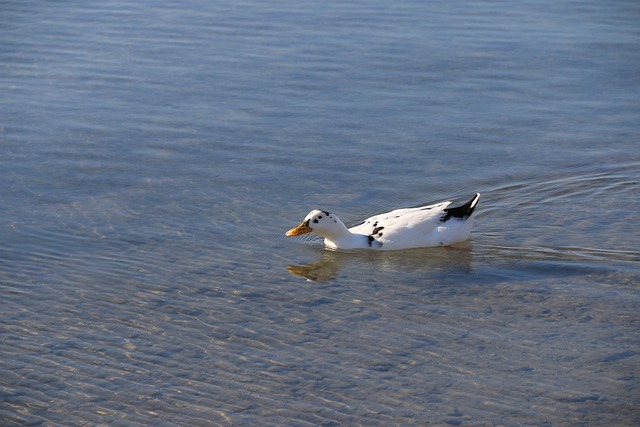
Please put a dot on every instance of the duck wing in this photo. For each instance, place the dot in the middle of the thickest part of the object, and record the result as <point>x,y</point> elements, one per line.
<point>409,221</point>
<point>433,225</point>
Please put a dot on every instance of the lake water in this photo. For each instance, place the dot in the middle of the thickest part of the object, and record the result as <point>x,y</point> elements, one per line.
<point>154,153</point>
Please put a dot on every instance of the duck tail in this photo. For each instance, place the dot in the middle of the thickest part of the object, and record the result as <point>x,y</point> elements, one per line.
<point>461,212</point>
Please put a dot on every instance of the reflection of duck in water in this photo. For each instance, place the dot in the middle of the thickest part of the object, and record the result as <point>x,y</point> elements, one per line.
<point>330,263</point>
<point>433,225</point>
<point>323,270</point>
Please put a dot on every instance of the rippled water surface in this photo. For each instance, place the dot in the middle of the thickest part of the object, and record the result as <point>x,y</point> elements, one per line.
<point>154,153</point>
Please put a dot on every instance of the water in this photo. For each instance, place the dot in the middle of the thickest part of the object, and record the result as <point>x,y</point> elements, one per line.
<point>154,154</point>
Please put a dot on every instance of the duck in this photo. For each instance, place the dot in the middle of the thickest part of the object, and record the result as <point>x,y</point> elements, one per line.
<point>407,228</point>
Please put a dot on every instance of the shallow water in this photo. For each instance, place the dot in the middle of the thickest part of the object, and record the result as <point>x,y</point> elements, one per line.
<point>153,156</point>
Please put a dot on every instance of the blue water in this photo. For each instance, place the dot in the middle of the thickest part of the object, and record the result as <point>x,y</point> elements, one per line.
<point>153,154</point>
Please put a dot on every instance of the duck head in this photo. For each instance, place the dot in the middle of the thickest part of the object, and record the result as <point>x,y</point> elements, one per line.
<point>319,222</point>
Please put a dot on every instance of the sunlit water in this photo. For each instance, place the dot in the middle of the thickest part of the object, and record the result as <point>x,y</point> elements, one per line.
<point>154,153</point>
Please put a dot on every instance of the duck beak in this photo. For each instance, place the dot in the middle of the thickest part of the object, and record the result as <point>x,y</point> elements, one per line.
<point>301,229</point>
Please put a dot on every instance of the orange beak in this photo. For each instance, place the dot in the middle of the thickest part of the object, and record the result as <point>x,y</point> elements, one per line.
<point>303,228</point>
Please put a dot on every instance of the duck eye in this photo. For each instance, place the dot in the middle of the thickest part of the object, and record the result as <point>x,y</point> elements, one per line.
<point>320,217</point>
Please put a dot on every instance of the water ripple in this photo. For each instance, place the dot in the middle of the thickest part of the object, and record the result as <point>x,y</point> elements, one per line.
<point>153,154</point>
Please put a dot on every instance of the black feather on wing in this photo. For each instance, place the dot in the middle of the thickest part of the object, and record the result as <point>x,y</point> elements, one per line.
<point>461,212</point>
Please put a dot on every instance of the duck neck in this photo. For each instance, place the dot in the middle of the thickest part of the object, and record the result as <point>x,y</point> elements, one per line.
<point>339,238</point>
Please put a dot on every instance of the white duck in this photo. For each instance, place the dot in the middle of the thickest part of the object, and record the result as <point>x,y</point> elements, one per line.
<point>433,225</point>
